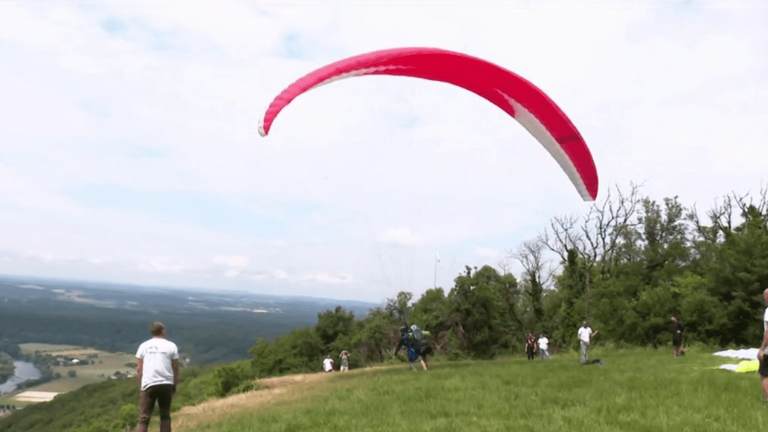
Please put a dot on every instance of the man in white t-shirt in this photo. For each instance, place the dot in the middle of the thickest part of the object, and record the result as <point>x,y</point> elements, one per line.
<point>763,369</point>
<point>158,374</point>
<point>585,335</point>
<point>328,364</point>
<point>543,343</point>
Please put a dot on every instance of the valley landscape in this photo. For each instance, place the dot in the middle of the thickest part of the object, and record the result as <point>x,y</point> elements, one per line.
<point>104,324</point>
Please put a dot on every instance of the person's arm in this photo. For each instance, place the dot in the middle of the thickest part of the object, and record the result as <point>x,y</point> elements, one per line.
<point>763,346</point>
<point>139,370</point>
<point>175,366</point>
<point>139,363</point>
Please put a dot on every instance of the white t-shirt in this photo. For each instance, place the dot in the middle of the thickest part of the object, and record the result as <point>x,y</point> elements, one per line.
<point>328,364</point>
<point>543,342</point>
<point>585,333</point>
<point>157,354</point>
<point>765,325</point>
<point>765,321</point>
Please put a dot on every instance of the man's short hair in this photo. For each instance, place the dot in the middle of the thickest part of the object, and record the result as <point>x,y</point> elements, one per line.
<point>157,329</point>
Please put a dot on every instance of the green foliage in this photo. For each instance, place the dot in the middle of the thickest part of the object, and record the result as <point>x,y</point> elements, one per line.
<point>233,377</point>
<point>628,266</point>
<point>128,415</point>
<point>111,405</point>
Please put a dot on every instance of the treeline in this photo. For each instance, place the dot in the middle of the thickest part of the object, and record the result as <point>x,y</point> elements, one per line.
<point>627,265</point>
<point>207,337</point>
<point>8,352</point>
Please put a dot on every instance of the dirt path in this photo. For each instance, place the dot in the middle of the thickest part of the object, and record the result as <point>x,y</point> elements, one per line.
<point>276,389</point>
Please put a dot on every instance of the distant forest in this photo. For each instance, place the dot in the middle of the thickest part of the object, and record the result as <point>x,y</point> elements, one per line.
<point>207,337</point>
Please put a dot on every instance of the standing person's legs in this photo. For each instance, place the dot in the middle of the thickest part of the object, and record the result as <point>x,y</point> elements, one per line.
<point>584,354</point>
<point>164,399</point>
<point>146,405</point>
<point>763,372</point>
<point>764,381</point>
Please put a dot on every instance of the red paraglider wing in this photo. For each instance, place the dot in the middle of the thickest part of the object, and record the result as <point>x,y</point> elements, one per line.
<point>505,89</point>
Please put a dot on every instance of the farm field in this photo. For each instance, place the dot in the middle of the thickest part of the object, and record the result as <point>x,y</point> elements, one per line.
<point>30,348</point>
<point>106,365</point>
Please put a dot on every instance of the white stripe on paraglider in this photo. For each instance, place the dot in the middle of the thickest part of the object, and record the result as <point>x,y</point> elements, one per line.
<point>540,132</point>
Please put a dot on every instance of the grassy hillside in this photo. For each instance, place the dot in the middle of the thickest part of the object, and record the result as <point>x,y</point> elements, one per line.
<point>106,406</point>
<point>632,391</point>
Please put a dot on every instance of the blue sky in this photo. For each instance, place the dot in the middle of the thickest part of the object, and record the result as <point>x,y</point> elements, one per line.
<point>129,149</point>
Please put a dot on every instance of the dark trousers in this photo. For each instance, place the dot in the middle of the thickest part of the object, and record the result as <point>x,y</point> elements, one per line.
<point>162,395</point>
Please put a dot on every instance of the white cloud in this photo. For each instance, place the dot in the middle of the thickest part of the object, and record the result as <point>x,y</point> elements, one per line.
<point>232,261</point>
<point>163,266</point>
<point>400,237</point>
<point>670,94</point>
<point>329,279</point>
<point>489,254</point>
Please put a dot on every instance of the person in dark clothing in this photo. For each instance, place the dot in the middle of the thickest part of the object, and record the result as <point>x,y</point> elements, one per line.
<point>530,346</point>
<point>677,328</point>
<point>417,347</point>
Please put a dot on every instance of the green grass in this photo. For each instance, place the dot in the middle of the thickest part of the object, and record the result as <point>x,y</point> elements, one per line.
<point>633,391</point>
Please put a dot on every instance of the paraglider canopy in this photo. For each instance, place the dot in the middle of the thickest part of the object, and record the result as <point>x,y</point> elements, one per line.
<point>519,98</point>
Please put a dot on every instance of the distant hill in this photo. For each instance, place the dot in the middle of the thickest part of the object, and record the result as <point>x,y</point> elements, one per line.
<point>209,326</point>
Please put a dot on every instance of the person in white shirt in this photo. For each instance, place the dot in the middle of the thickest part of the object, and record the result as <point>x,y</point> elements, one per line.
<point>543,343</point>
<point>328,364</point>
<point>585,335</point>
<point>763,369</point>
<point>158,375</point>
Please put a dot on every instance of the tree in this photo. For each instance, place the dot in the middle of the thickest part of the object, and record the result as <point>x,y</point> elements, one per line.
<point>537,275</point>
<point>598,240</point>
<point>480,315</point>
<point>400,306</point>
<point>332,325</point>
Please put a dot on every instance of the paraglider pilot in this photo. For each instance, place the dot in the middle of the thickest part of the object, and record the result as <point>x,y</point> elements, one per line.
<point>417,346</point>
